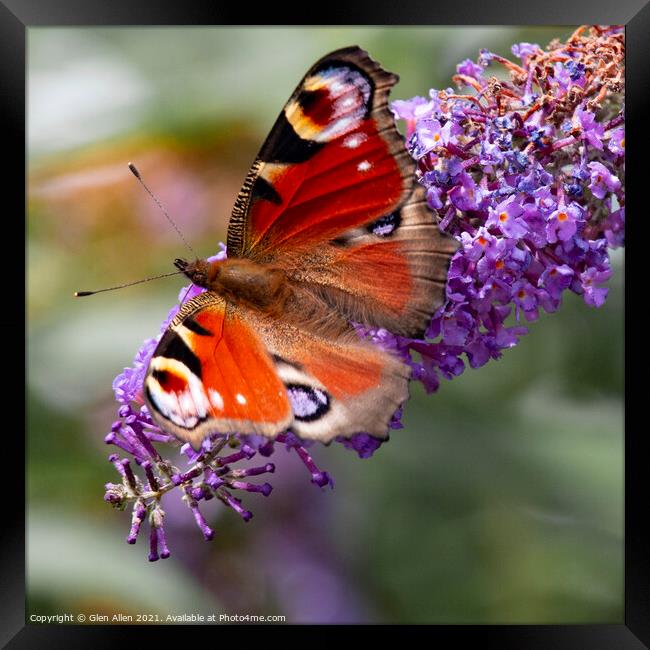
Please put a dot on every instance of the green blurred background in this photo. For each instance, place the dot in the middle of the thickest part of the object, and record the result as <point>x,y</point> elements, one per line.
<point>501,501</point>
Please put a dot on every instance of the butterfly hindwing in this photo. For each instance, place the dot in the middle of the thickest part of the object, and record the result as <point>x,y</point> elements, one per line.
<point>337,385</point>
<point>220,368</point>
<point>212,373</point>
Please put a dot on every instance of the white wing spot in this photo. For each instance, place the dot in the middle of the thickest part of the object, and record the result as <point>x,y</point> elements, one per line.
<point>364,166</point>
<point>353,141</point>
<point>216,399</point>
<point>240,398</point>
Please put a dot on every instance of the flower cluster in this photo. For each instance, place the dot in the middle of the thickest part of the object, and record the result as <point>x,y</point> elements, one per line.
<point>525,171</point>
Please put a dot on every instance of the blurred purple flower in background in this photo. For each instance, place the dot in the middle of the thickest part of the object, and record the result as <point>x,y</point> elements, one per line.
<point>527,173</point>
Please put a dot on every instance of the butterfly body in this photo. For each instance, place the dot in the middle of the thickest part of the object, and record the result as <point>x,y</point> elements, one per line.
<point>240,281</point>
<point>330,229</point>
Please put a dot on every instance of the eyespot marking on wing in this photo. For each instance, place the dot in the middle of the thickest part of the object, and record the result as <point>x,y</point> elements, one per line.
<point>385,226</point>
<point>176,392</point>
<point>170,382</point>
<point>331,103</point>
<point>172,346</point>
<point>308,403</point>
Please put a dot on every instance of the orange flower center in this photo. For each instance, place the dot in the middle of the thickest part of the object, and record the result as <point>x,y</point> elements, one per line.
<point>499,264</point>
<point>623,143</point>
<point>521,293</point>
<point>482,241</point>
<point>563,216</point>
<point>503,217</point>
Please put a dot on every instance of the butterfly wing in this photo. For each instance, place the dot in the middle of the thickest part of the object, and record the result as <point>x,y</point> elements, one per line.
<point>332,199</point>
<point>338,384</point>
<point>212,373</point>
<point>222,368</point>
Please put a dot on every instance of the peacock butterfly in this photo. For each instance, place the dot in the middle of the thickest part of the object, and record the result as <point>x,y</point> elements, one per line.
<point>330,228</point>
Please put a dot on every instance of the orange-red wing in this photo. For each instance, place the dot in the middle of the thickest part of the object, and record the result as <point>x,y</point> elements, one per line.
<point>332,200</point>
<point>333,161</point>
<point>390,273</point>
<point>338,385</point>
<point>211,373</point>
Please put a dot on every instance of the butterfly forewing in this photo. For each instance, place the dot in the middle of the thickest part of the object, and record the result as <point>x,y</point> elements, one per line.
<point>332,198</point>
<point>334,133</point>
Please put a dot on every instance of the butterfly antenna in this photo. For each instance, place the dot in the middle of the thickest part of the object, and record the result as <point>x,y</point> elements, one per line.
<point>81,294</point>
<point>136,173</point>
<point>187,292</point>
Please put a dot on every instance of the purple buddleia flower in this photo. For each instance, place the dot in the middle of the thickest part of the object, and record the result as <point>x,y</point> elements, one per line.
<point>363,444</point>
<point>526,299</point>
<point>562,76</point>
<point>594,295</point>
<point>505,217</point>
<point>485,57</point>
<point>527,174</point>
<point>413,110</point>
<point>465,195</point>
<point>555,279</point>
<point>616,143</point>
<point>469,69</point>
<point>614,228</point>
<point>562,223</point>
<point>524,50</point>
<point>602,180</point>
<point>592,129</point>
<point>477,245</point>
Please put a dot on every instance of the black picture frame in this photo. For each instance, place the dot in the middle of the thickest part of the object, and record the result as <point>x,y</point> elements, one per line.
<point>18,15</point>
